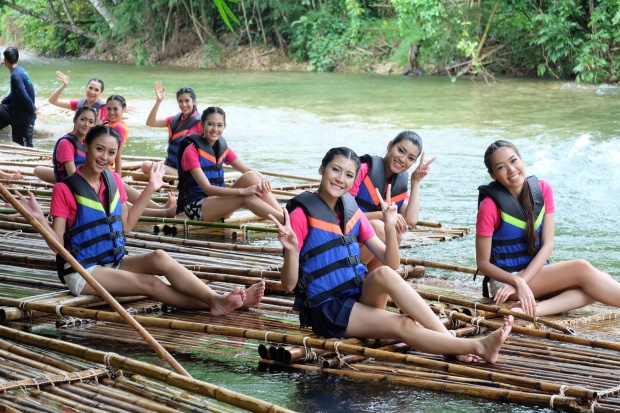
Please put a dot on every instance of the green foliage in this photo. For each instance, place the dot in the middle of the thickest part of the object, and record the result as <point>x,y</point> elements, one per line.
<point>321,36</point>
<point>45,38</point>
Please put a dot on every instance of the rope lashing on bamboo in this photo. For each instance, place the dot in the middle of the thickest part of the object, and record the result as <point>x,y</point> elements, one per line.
<point>11,234</point>
<point>111,371</point>
<point>340,356</point>
<point>593,405</point>
<point>310,353</point>
<point>610,392</point>
<point>26,313</point>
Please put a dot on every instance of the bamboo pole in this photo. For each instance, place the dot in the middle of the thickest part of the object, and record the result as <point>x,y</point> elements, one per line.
<point>208,224</point>
<point>116,361</point>
<point>497,310</point>
<point>502,395</point>
<point>102,292</point>
<point>352,349</point>
<point>439,265</point>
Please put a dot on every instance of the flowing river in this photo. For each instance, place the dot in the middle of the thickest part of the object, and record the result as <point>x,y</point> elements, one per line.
<point>567,133</point>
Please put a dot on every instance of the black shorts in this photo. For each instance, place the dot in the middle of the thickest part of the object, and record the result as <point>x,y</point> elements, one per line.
<point>331,319</point>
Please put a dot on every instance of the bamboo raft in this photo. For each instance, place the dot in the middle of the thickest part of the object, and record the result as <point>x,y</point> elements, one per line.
<point>240,225</point>
<point>541,364</point>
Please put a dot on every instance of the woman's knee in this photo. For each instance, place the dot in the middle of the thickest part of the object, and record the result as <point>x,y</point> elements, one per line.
<point>159,257</point>
<point>383,275</point>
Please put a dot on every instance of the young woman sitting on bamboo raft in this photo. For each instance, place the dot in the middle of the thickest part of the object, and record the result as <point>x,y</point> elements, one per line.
<point>202,191</point>
<point>186,122</point>
<point>379,173</point>
<point>69,153</point>
<point>334,294</point>
<point>91,218</point>
<point>514,241</point>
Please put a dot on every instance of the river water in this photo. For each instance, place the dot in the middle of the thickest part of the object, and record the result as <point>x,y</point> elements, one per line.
<point>567,133</point>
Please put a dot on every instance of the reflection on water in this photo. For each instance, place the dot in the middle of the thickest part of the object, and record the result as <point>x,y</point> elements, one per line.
<point>284,122</point>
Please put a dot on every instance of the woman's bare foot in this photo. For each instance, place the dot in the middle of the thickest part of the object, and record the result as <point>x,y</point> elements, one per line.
<point>224,304</point>
<point>172,200</point>
<point>253,295</point>
<point>493,342</point>
<point>468,358</point>
<point>171,212</point>
<point>517,308</point>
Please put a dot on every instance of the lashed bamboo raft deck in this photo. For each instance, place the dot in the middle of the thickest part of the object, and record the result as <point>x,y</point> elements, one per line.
<point>237,226</point>
<point>538,365</point>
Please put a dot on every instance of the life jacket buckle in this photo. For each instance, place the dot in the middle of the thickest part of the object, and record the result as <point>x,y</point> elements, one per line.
<point>75,251</point>
<point>353,260</point>
<point>118,250</point>
<point>348,239</point>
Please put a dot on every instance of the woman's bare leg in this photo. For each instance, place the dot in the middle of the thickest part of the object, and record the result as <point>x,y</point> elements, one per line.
<point>146,168</point>
<point>371,322</point>
<point>565,301</point>
<point>182,281</point>
<point>579,275</point>
<point>45,173</point>
<point>215,207</point>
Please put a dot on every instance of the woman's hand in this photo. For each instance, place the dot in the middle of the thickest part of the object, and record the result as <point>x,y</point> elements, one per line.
<point>401,224</point>
<point>526,297</point>
<point>388,208</point>
<point>30,205</point>
<point>64,78</point>
<point>160,92</point>
<point>156,175</point>
<point>264,186</point>
<point>286,235</point>
<point>422,170</point>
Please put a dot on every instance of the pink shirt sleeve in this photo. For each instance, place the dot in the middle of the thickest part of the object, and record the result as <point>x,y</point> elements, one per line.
<point>361,175</point>
<point>230,157</point>
<point>74,103</point>
<point>190,159</point>
<point>65,151</point>
<point>366,229</point>
<point>299,223</point>
<point>488,218</point>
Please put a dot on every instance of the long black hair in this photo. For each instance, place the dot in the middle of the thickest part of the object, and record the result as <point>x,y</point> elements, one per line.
<point>525,199</point>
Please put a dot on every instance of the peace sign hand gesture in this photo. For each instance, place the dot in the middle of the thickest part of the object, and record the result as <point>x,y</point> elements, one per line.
<point>423,169</point>
<point>286,235</point>
<point>388,208</point>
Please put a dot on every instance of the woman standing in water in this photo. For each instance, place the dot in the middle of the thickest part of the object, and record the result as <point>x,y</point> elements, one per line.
<point>514,241</point>
<point>377,173</point>
<point>334,294</point>
<point>91,218</point>
<point>186,122</point>
<point>202,191</point>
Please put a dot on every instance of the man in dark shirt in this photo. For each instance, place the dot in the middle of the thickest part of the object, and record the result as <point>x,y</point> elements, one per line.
<point>18,109</point>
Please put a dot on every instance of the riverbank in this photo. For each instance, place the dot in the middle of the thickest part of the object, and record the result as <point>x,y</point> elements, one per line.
<point>241,57</point>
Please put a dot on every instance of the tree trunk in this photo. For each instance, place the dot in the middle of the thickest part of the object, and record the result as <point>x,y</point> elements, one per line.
<point>50,19</point>
<point>103,11</point>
